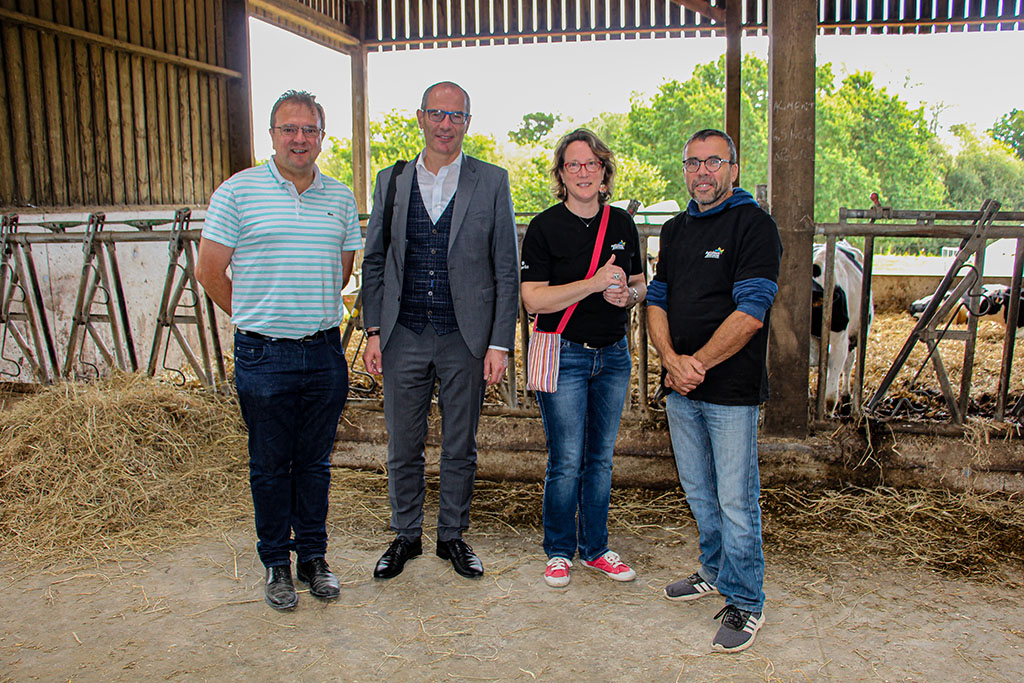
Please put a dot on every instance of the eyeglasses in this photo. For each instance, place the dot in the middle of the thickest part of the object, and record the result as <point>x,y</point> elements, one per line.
<point>712,164</point>
<point>575,167</point>
<point>456,117</point>
<point>290,131</point>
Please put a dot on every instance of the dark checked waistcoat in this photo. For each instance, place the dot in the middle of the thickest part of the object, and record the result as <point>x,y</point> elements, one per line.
<point>426,292</point>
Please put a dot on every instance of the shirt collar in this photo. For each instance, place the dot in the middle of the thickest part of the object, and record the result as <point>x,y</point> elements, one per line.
<point>454,166</point>
<point>318,180</point>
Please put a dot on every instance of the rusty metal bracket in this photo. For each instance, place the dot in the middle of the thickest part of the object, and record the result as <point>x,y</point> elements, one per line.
<point>939,310</point>
<point>197,311</point>
<point>100,275</point>
<point>22,311</point>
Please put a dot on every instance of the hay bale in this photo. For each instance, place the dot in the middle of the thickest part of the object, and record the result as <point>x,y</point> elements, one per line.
<point>123,465</point>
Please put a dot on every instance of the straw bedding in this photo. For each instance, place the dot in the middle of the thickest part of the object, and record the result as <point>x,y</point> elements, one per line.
<point>120,468</point>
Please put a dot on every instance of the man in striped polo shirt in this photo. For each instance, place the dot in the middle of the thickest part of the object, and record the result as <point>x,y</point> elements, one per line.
<point>289,235</point>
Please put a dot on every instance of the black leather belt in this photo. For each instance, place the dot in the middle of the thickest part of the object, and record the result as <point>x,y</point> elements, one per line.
<point>307,338</point>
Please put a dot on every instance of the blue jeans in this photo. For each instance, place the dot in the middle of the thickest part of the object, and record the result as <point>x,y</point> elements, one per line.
<point>291,394</point>
<point>716,456</point>
<point>581,422</point>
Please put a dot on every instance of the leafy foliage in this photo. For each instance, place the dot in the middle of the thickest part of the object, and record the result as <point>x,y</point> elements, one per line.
<point>866,140</point>
<point>984,169</point>
<point>396,136</point>
<point>534,128</point>
<point>1010,130</point>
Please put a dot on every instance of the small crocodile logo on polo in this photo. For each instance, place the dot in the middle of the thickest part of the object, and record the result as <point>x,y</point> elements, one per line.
<point>714,253</point>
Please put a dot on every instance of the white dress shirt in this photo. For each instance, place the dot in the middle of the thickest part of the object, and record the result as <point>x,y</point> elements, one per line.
<point>438,190</point>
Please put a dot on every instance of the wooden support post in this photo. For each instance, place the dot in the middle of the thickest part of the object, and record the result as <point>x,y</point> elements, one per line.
<point>360,131</point>
<point>236,24</point>
<point>733,81</point>
<point>791,25</point>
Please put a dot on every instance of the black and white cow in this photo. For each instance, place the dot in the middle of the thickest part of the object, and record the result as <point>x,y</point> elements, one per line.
<point>846,323</point>
<point>992,300</point>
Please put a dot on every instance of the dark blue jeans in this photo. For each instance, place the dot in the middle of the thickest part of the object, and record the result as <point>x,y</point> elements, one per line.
<point>581,423</point>
<point>291,394</point>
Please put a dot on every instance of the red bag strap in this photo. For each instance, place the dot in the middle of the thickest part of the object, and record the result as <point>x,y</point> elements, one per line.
<point>590,272</point>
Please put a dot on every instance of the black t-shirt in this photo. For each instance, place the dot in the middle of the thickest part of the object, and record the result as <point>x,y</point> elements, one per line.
<point>700,260</point>
<point>557,249</point>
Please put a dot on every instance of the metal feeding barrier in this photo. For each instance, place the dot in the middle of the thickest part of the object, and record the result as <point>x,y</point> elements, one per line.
<point>975,229</point>
<point>101,310</point>
<point>199,311</point>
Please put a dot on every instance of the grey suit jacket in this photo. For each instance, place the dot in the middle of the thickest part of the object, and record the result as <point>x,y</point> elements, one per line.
<point>483,257</point>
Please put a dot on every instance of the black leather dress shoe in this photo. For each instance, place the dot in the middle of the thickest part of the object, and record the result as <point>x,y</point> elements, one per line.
<point>463,559</point>
<point>322,583</point>
<point>392,562</point>
<point>279,590</point>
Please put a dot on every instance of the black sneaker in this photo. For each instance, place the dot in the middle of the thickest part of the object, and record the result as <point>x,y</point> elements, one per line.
<point>738,629</point>
<point>690,588</point>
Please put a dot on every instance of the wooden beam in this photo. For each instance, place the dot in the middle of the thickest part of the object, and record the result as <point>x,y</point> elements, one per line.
<point>733,66</point>
<point>309,19</point>
<point>7,15</point>
<point>704,8</point>
<point>239,114</point>
<point>791,194</point>
<point>360,132</point>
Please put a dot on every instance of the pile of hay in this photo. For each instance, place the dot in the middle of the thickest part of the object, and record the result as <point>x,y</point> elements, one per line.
<point>117,467</point>
<point>956,533</point>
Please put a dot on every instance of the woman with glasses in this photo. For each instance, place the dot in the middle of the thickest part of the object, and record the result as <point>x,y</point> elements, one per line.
<point>581,418</point>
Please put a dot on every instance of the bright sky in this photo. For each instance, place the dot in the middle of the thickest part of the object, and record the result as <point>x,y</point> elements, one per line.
<point>966,73</point>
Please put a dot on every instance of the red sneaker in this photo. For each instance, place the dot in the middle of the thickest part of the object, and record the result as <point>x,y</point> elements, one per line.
<point>557,572</point>
<point>611,566</point>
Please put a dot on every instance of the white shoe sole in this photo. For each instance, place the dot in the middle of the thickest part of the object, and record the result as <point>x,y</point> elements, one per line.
<point>691,596</point>
<point>624,576</point>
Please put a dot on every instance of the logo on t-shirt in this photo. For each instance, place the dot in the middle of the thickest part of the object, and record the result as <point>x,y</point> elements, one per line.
<point>714,253</point>
<point>523,265</point>
<point>619,246</point>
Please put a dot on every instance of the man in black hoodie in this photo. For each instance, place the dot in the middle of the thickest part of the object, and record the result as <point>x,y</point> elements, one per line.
<point>708,309</point>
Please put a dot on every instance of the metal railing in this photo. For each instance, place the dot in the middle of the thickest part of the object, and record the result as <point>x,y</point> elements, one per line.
<point>975,229</point>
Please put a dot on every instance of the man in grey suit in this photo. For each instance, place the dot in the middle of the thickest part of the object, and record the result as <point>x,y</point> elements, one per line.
<point>440,300</point>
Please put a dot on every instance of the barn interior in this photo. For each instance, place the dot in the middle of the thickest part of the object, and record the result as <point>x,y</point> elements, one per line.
<point>118,119</point>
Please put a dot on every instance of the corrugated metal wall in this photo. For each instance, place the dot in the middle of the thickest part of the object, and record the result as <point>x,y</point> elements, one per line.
<point>112,102</point>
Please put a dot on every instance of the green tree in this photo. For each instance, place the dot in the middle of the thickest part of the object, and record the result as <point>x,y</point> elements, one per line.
<point>534,128</point>
<point>607,126</point>
<point>893,140</point>
<point>531,184</point>
<point>984,169</point>
<point>635,179</point>
<point>335,159</point>
<point>1009,129</point>
<point>396,136</point>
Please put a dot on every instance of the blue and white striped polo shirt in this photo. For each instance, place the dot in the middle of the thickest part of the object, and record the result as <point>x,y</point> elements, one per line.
<point>286,267</point>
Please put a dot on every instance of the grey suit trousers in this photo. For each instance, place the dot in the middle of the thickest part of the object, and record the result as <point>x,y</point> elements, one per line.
<point>411,363</point>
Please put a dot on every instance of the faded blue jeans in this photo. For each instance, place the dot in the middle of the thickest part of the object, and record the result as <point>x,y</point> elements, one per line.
<point>716,457</point>
<point>581,422</point>
<point>291,394</point>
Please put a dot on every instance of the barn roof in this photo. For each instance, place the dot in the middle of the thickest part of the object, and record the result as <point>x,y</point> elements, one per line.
<point>381,25</point>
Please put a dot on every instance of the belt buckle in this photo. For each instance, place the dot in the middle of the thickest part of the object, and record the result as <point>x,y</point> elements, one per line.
<point>591,348</point>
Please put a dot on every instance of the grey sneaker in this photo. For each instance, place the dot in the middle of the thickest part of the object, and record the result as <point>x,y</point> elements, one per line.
<point>690,588</point>
<point>738,629</point>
